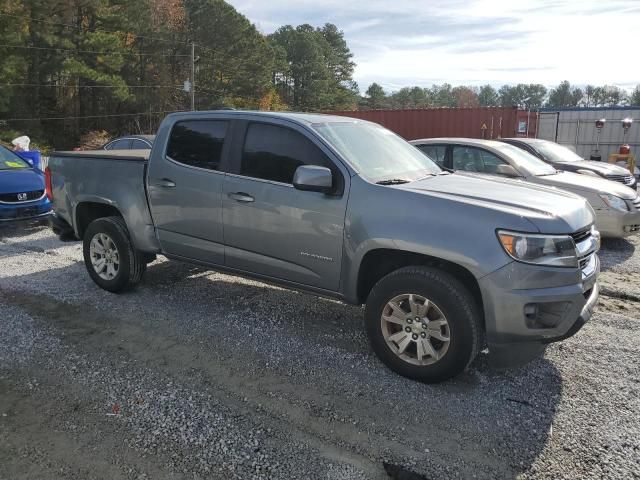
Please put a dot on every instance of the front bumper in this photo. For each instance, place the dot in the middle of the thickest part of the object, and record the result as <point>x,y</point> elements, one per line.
<point>25,211</point>
<point>526,307</point>
<point>616,224</point>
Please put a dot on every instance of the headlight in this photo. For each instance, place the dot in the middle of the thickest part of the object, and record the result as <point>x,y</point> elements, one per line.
<point>552,250</point>
<point>587,172</point>
<point>614,202</point>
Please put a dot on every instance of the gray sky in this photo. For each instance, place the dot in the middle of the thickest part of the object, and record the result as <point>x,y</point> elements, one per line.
<point>411,42</point>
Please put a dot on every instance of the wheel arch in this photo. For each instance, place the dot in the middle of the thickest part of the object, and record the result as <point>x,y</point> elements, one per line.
<point>90,210</point>
<point>378,262</point>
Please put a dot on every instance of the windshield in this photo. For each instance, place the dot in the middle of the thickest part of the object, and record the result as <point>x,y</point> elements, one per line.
<point>524,160</point>
<point>11,161</point>
<point>375,152</point>
<point>557,153</point>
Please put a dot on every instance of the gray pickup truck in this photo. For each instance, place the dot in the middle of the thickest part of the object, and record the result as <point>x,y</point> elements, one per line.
<point>444,263</point>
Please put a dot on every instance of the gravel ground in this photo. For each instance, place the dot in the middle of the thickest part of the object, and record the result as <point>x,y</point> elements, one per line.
<point>202,375</point>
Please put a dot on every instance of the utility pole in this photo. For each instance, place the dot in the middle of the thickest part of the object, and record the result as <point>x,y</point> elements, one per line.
<point>193,75</point>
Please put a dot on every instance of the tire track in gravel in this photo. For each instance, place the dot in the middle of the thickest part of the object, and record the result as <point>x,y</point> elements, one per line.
<point>78,441</point>
<point>261,394</point>
<point>90,350</point>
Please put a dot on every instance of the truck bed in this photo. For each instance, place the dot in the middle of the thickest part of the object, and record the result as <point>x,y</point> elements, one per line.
<point>132,155</point>
<point>114,178</point>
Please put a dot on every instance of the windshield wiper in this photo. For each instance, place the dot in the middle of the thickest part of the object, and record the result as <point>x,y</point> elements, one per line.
<point>428,175</point>
<point>393,181</point>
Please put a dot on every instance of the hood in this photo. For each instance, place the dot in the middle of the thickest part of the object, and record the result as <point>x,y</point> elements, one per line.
<point>543,206</point>
<point>602,168</point>
<point>21,180</point>
<point>576,181</point>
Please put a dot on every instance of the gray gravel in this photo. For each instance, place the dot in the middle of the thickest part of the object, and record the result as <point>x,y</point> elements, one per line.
<point>202,375</point>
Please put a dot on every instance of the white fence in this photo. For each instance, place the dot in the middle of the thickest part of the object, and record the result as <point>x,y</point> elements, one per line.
<point>577,128</point>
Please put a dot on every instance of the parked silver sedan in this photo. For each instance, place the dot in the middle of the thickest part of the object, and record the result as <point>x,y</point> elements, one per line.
<point>617,207</point>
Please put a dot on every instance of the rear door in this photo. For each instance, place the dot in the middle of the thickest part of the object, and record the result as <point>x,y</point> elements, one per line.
<point>273,229</point>
<point>185,189</point>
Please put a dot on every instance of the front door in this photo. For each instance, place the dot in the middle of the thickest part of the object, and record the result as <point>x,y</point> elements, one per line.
<point>185,190</point>
<point>273,229</point>
<point>474,159</point>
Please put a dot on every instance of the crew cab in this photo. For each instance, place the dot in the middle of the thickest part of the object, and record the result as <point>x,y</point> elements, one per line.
<point>444,263</point>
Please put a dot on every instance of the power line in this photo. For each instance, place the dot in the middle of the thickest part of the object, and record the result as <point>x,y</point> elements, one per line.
<point>88,86</point>
<point>24,47</point>
<point>86,117</point>
<point>78,27</point>
<point>175,42</point>
<point>68,25</point>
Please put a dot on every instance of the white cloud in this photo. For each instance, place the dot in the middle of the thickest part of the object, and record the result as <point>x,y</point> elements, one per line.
<point>415,42</point>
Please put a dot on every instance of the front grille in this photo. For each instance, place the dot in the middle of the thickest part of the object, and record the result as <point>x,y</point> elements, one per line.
<point>626,179</point>
<point>581,236</point>
<point>586,252</point>
<point>21,196</point>
<point>584,262</point>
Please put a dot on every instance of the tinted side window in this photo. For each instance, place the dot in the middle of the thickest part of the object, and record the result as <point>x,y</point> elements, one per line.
<point>198,143</point>
<point>472,159</point>
<point>122,144</point>
<point>435,152</point>
<point>139,145</point>
<point>273,153</point>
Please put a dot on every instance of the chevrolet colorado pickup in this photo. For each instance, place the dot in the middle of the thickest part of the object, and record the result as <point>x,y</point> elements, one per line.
<point>445,264</point>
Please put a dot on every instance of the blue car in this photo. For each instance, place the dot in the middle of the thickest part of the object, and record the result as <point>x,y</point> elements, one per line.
<point>22,189</point>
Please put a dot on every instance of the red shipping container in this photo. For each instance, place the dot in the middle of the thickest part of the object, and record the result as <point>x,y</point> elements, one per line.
<point>477,122</point>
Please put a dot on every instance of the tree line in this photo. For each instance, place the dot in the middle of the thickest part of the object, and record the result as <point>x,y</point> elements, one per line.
<point>528,96</point>
<point>73,66</point>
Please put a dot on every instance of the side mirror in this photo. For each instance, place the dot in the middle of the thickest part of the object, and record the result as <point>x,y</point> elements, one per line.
<point>312,178</point>
<point>507,170</point>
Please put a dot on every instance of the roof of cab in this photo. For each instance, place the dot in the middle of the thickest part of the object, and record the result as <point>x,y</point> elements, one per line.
<point>307,118</point>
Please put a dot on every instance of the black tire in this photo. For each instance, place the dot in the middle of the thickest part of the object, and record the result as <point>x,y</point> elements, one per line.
<point>454,301</point>
<point>132,265</point>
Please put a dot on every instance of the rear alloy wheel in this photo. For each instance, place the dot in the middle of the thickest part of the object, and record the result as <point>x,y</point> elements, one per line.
<point>423,323</point>
<point>105,258</point>
<point>110,258</point>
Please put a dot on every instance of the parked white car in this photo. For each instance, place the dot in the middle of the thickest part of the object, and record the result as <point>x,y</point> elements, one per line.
<point>617,207</point>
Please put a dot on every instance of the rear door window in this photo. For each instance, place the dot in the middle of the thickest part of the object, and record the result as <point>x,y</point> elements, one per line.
<point>274,153</point>
<point>198,143</point>
<point>436,153</point>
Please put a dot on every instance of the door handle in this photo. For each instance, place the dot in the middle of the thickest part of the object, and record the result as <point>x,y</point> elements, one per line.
<point>165,183</point>
<point>241,197</point>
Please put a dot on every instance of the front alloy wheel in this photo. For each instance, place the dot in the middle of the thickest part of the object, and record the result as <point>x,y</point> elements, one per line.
<point>415,329</point>
<point>423,323</point>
